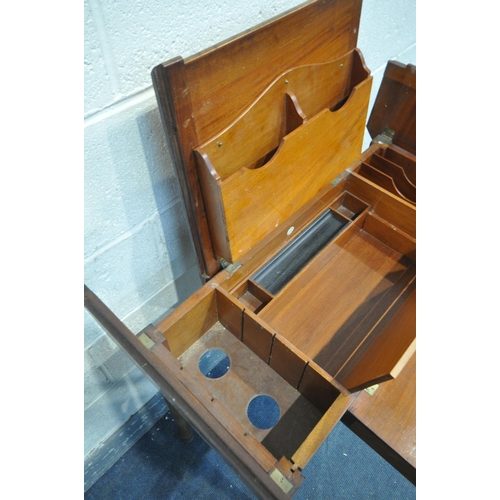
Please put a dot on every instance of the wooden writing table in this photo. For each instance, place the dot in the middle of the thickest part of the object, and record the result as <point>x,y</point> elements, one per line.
<point>266,130</point>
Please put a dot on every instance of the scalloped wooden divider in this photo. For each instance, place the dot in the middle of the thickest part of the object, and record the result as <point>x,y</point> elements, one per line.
<point>244,206</point>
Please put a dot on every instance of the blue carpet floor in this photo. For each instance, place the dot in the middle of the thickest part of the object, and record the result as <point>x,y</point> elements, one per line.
<point>159,467</point>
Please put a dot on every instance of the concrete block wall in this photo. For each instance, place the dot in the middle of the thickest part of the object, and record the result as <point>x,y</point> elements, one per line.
<point>139,256</point>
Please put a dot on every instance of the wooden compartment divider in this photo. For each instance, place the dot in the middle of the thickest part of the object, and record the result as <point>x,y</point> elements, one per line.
<point>390,235</point>
<point>382,179</point>
<point>389,165</point>
<point>398,175</point>
<point>293,97</point>
<point>276,190</point>
<point>394,335</point>
<point>402,158</point>
<point>391,208</point>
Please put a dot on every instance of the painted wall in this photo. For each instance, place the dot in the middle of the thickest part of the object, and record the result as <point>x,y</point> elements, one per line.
<point>139,256</point>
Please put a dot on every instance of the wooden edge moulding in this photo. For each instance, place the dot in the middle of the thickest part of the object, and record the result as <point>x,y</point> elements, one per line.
<point>308,245</point>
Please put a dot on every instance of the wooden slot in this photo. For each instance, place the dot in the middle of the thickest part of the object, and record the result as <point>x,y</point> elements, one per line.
<point>400,157</point>
<point>388,346</point>
<point>382,179</point>
<point>294,96</point>
<point>390,235</point>
<point>349,206</point>
<point>391,208</point>
<point>397,173</point>
<point>252,296</point>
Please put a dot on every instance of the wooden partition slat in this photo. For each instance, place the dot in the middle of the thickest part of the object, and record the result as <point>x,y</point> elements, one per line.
<point>256,335</point>
<point>287,361</point>
<point>230,312</point>
<point>394,336</point>
<point>190,320</point>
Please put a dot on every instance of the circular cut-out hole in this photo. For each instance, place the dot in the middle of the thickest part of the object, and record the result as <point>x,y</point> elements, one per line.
<point>263,411</point>
<point>214,363</point>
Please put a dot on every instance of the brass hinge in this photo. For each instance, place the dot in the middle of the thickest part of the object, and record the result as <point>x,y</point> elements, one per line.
<point>281,480</point>
<point>147,342</point>
<point>230,268</point>
<point>370,390</point>
<point>386,137</point>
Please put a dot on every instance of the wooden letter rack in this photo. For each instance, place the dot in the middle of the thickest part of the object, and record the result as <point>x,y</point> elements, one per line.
<point>307,244</point>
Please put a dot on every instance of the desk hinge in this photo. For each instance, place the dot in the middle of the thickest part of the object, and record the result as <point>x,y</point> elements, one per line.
<point>386,137</point>
<point>230,268</point>
<point>370,390</point>
<point>281,480</point>
<point>150,336</point>
<point>146,341</point>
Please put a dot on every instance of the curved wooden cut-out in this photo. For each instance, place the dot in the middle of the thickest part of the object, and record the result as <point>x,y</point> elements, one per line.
<point>252,202</point>
<point>404,185</point>
<point>381,179</point>
<point>402,158</point>
<point>258,131</point>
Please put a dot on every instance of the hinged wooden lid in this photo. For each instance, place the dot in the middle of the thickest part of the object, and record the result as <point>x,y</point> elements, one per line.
<point>203,95</point>
<point>395,106</point>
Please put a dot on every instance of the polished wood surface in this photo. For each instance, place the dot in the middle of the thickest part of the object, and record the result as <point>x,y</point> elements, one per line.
<point>293,97</point>
<point>226,78</point>
<point>395,105</point>
<point>200,96</point>
<point>174,103</point>
<point>255,201</point>
<point>332,308</point>
<point>390,414</point>
<point>265,141</point>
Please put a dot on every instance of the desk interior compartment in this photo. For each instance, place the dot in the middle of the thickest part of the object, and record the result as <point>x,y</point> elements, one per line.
<point>236,358</point>
<point>349,292</point>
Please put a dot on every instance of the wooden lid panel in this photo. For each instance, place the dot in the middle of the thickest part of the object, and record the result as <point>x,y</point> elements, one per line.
<point>294,97</point>
<point>395,105</point>
<point>202,95</point>
<point>225,79</point>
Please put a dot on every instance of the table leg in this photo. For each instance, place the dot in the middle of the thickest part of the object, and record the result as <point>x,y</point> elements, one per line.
<point>185,431</point>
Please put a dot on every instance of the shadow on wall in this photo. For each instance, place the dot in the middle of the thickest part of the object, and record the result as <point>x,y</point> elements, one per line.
<point>176,239</point>
<point>143,276</point>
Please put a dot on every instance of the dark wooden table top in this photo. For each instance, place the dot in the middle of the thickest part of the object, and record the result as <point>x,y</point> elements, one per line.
<point>388,419</point>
